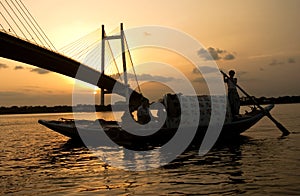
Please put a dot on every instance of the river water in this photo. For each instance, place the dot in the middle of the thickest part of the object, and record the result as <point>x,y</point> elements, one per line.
<point>36,161</point>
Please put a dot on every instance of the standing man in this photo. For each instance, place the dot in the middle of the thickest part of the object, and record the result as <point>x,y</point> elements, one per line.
<point>233,96</point>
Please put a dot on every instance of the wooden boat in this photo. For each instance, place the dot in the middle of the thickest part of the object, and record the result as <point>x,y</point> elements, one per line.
<point>112,130</point>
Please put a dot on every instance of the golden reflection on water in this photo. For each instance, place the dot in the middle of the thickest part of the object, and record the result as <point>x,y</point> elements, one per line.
<point>35,161</point>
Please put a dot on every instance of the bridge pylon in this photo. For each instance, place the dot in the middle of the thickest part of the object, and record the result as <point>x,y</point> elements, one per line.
<point>121,37</point>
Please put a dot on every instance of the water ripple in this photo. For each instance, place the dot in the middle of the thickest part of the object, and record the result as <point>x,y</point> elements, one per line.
<point>36,161</point>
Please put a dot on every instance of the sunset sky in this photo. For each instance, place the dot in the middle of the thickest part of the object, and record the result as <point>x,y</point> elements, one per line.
<point>257,38</point>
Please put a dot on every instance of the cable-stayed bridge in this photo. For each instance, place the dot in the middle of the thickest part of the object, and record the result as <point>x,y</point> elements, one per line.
<point>22,40</point>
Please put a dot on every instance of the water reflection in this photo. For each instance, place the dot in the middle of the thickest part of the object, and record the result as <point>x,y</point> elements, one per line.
<point>222,165</point>
<point>221,169</point>
<point>225,158</point>
<point>36,161</point>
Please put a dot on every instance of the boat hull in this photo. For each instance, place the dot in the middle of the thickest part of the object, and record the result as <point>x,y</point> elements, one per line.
<point>113,132</point>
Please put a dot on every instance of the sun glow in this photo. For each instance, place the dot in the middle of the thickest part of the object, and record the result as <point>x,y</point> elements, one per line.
<point>96,91</point>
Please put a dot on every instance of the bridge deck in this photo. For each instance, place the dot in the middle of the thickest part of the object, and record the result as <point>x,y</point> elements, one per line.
<point>20,50</point>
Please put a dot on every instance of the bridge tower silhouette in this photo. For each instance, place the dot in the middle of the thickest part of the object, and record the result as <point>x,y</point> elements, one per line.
<point>120,37</point>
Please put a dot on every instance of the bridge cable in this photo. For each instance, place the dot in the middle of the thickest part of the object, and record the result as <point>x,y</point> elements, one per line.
<point>85,50</point>
<point>114,60</point>
<point>21,22</point>
<point>76,42</point>
<point>38,26</point>
<point>138,85</point>
<point>77,45</point>
<point>32,24</point>
<point>29,24</point>
<point>14,21</point>
<point>8,24</point>
<point>83,47</point>
<point>2,27</point>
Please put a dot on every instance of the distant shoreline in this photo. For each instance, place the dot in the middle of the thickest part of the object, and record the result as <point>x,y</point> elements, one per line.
<point>271,100</point>
<point>52,109</point>
<point>98,108</point>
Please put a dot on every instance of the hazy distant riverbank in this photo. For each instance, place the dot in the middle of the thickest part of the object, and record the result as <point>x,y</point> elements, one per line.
<point>52,109</point>
<point>99,108</point>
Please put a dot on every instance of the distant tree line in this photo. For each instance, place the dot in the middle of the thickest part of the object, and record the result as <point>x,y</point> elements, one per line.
<point>271,100</point>
<point>99,108</point>
<point>52,109</point>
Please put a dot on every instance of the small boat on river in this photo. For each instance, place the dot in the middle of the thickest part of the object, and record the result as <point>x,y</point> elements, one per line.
<point>99,131</point>
<point>192,114</point>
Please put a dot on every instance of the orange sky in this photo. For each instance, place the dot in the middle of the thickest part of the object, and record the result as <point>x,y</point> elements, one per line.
<point>262,36</point>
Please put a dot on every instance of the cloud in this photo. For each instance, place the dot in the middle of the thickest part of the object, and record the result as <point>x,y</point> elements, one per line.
<point>6,94</point>
<point>40,71</point>
<point>291,60</point>
<point>147,77</point>
<point>205,70</point>
<point>229,57</point>
<point>3,66</point>
<point>18,67</point>
<point>9,98</point>
<point>240,73</point>
<point>213,79</point>
<point>195,71</point>
<point>209,54</point>
<point>215,54</point>
<point>275,62</point>
<point>260,56</point>
<point>200,80</point>
<point>147,33</point>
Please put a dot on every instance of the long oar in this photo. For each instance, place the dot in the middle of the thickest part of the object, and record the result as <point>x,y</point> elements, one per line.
<point>267,113</point>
